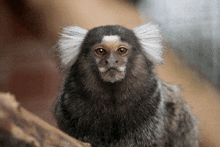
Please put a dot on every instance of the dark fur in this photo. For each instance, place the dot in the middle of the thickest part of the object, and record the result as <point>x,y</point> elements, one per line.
<point>138,111</point>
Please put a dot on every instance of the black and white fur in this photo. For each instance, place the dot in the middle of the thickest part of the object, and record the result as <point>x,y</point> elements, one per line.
<point>137,110</point>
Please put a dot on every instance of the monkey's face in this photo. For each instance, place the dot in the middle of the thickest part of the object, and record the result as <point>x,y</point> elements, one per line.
<point>110,52</point>
<point>111,56</point>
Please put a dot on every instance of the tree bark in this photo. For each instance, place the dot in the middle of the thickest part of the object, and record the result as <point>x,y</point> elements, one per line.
<point>19,127</point>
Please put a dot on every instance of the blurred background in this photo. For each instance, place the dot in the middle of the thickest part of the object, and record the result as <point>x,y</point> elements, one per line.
<point>192,27</point>
<point>29,67</point>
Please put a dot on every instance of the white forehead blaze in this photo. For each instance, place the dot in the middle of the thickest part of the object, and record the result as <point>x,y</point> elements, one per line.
<point>111,38</point>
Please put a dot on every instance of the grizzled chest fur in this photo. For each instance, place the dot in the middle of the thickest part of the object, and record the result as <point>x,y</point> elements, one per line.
<point>112,114</point>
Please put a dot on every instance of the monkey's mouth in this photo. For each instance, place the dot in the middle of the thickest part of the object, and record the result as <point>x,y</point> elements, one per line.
<point>111,69</point>
<point>112,75</point>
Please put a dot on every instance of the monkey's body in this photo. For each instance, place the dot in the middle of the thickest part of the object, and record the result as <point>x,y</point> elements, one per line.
<point>101,104</point>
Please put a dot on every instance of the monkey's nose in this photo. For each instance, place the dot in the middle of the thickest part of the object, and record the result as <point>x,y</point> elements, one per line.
<point>107,62</point>
<point>111,63</point>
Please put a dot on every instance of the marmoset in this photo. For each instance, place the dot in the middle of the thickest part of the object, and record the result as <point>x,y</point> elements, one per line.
<point>111,95</point>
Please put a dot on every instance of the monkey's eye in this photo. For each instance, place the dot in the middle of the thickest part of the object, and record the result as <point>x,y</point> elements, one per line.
<point>100,51</point>
<point>122,51</point>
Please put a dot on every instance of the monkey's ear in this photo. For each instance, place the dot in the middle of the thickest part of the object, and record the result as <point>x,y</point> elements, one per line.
<point>69,45</point>
<point>150,39</point>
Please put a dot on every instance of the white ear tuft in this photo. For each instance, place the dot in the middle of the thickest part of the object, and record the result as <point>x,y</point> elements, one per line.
<point>69,45</point>
<point>150,40</point>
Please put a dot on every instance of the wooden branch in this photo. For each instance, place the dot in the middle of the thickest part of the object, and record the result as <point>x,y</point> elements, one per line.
<point>19,127</point>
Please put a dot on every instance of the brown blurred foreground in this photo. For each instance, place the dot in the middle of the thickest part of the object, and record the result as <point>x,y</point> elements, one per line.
<point>19,128</point>
<point>29,67</point>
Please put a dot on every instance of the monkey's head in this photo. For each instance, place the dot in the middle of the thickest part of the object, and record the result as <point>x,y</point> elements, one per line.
<point>110,50</point>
